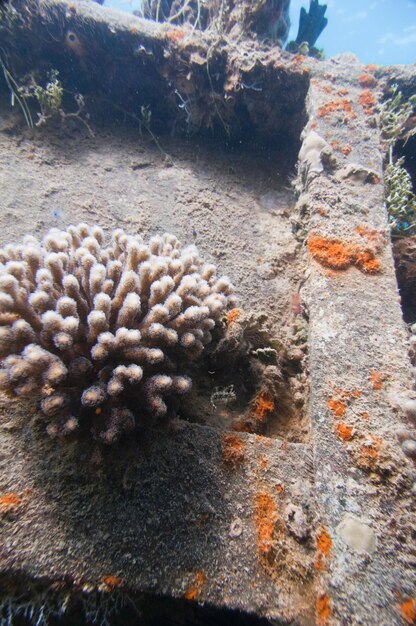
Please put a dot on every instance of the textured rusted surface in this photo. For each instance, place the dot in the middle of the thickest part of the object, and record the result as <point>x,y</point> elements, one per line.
<point>358,365</point>
<point>188,81</point>
<point>177,520</point>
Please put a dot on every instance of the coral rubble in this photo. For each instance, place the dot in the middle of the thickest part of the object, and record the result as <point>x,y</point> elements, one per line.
<point>104,335</point>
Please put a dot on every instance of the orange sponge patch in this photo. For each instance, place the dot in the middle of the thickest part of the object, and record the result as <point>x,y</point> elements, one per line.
<point>9,502</point>
<point>339,255</point>
<point>263,405</point>
<point>196,589</point>
<point>344,431</point>
<point>336,105</point>
<point>233,449</point>
<point>408,611</point>
<point>265,518</point>
<point>367,101</point>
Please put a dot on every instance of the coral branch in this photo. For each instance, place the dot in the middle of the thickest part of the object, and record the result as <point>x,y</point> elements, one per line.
<point>102,334</point>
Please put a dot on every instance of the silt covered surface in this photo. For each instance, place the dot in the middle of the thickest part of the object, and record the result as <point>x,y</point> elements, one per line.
<point>177,516</point>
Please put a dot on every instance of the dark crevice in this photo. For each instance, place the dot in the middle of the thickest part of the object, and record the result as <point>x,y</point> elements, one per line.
<point>24,601</point>
<point>404,248</point>
<point>407,150</point>
<point>197,88</point>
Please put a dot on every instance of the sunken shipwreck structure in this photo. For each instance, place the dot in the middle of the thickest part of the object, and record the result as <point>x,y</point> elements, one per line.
<point>207,385</point>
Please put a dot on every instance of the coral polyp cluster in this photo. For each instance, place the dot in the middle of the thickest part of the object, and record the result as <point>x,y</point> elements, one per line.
<point>103,334</point>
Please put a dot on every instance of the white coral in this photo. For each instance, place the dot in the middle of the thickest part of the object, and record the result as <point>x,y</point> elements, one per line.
<point>98,332</point>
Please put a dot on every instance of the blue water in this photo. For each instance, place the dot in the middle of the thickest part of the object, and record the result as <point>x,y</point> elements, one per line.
<point>376,31</point>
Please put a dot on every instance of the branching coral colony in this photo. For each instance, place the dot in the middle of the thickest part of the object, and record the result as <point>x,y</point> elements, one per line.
<point>103,334</point>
